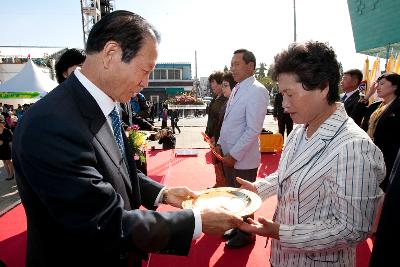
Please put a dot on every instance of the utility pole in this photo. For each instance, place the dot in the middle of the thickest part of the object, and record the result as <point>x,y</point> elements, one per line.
<point>294,20</point>
<point>196,84</point>
<point>92,11</point>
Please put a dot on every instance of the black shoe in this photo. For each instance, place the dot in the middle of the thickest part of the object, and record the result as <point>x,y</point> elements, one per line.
<point>10,178</point>
<point>240,240</point>
<point>229,234</point>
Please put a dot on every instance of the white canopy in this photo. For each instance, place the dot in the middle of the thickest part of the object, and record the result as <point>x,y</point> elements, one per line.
<point>29,80</point>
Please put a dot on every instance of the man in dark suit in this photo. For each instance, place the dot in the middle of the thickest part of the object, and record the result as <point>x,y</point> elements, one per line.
<point>284,119</point>
<point>350,81</point>
<point>75,170</point>
<point>384,252</point>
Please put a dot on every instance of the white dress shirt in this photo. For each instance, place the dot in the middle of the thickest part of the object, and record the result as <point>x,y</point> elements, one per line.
<point>328,194</point>
<point>106,105</point>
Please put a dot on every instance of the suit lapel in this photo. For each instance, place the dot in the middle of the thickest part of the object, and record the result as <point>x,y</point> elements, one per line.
<point>316,144</point>
<point>106,138</point>
<point>240,93</point>
<point>100,128</point>
<point>310,150</point>
<point>353,97</point>
<point>389,111</point>
<point>232,99</point>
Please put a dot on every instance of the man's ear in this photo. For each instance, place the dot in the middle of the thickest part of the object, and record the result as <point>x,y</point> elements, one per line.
<point>110,51</point>
<point>65,74</point>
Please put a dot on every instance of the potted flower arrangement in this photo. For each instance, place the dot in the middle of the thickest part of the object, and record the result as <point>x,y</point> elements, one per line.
<point>184,99</point>
<point>138,143</point>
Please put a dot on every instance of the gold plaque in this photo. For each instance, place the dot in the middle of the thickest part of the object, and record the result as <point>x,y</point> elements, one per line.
<point>242,202</point>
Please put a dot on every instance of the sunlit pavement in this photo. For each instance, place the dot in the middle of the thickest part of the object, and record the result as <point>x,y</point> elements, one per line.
<point>190,137</point>
<point>191,128</point>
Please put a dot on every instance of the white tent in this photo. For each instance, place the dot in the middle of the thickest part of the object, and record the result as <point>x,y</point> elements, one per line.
<point>27,86</point>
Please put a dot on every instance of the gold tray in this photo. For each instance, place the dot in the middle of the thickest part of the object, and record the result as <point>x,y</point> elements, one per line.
<point>242,202</point>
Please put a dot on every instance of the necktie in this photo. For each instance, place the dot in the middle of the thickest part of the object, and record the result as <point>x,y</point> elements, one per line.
<point>116,125</point>
<point>344,98</point>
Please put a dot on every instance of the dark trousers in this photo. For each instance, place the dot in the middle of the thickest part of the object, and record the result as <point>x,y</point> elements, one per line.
<point>163,124</point>
<point>285,121</point>
<point>231,174</point>
<point>175,125</point>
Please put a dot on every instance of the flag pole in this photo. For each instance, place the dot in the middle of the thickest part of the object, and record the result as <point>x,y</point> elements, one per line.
<point>387,55</point>
<point>294,20</point>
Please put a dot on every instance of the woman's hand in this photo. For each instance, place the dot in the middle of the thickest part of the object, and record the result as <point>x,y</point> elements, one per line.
<point>246,185</point>
<point>263,227</point>
<point>371,90</point>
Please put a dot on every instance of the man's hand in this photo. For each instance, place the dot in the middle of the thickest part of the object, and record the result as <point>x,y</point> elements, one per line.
<point>217,221</point>
<point>229,161</point>
<point>246,185</point>
<point>212,141</point>
<point>218,149</point>
<point>174,196</point>
<point>263,227</point>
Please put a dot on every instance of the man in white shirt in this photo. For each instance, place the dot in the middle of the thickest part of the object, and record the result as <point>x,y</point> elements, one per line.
<point>75,170</point>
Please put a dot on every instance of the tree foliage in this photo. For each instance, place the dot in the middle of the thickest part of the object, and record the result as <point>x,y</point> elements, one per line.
<point>263,76</point>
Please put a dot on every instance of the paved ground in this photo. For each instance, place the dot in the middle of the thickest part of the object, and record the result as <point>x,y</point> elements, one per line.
<point>190,137</point>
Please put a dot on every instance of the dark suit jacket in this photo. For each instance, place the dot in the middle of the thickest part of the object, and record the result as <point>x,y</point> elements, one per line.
<point>279,111</point>
<point>81,198</point>
<point>386,136</point>
<point>213,114</point>
<point>387,132</point>
<point>384,252</point>
<point>350,104</point>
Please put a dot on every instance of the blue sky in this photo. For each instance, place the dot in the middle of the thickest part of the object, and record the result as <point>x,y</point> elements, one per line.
<point>215,28</point>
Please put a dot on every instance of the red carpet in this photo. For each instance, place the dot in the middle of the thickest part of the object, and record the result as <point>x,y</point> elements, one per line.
<point>196,173</point>
<point>13,237</point>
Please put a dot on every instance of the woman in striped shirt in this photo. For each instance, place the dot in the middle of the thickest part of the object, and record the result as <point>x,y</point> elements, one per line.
<point>328,177</point>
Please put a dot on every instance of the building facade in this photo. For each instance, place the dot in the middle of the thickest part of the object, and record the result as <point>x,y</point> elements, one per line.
<point>168,80</point>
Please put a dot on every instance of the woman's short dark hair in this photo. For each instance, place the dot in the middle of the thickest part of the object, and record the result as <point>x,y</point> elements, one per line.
<point>229,78</point>
<point>124,27</point>
<point>69,58</point>
<point>314,64</point>
<point>216,76</point>
<point>393,78</point>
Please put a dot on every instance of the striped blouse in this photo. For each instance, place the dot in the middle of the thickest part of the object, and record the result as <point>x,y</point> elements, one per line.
<point>328,194</point>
